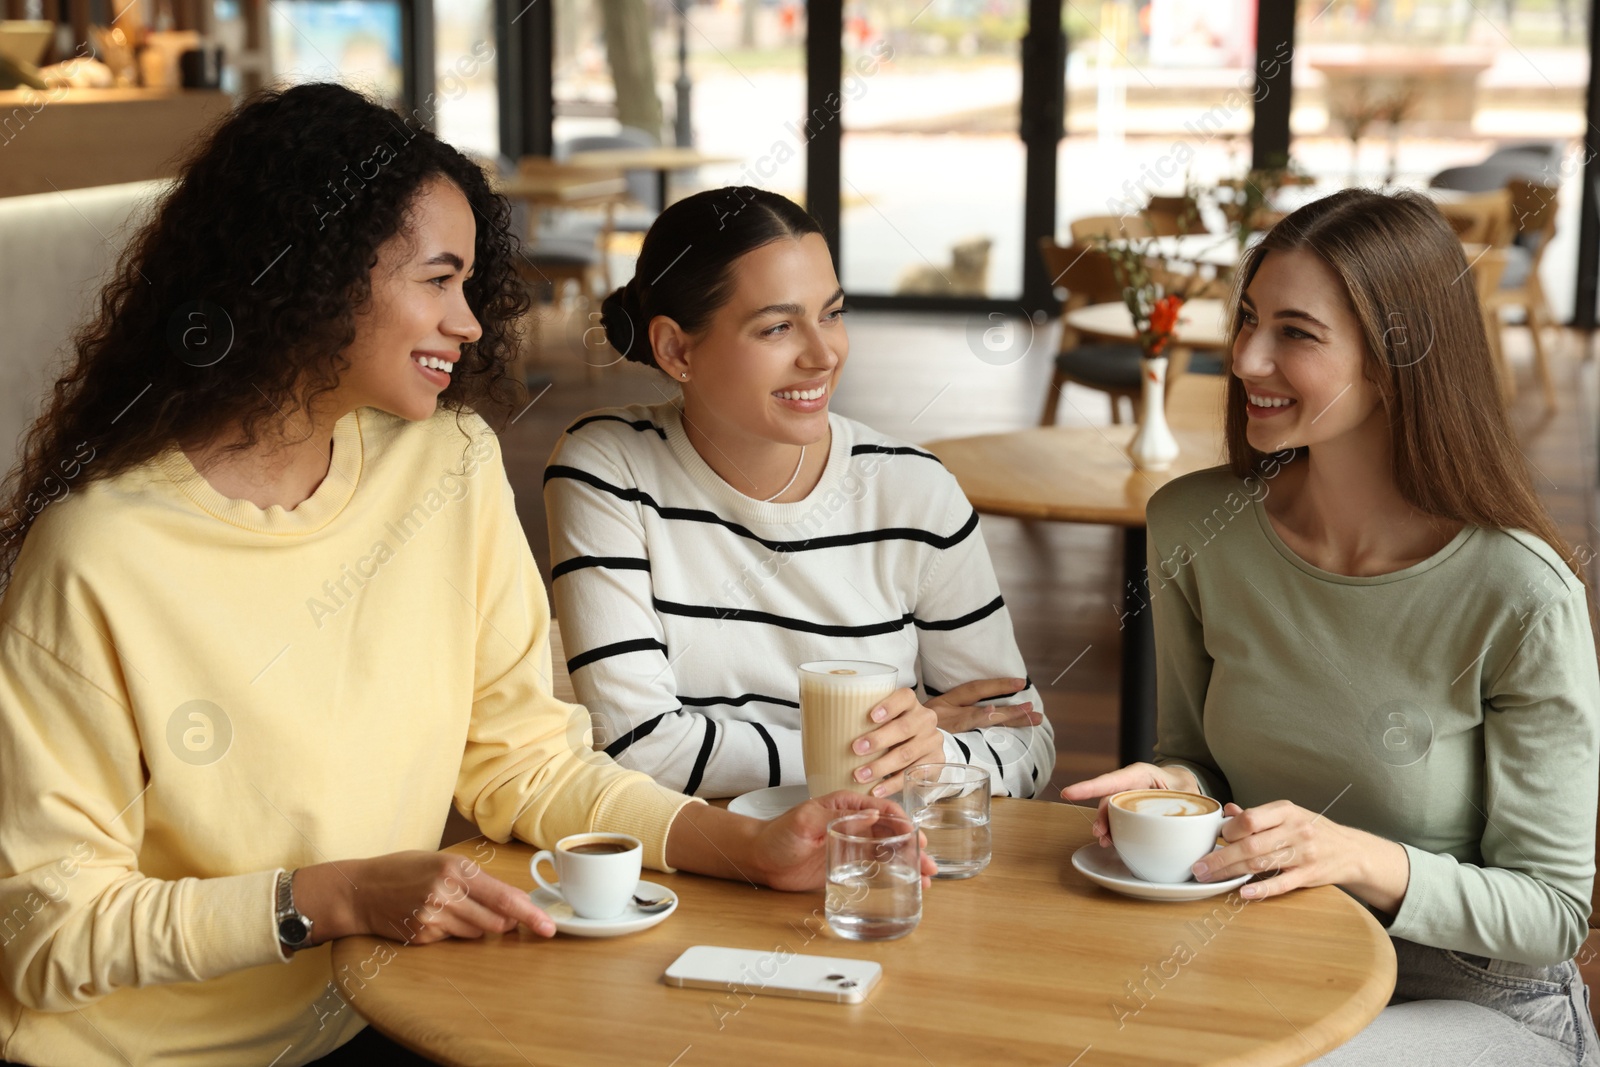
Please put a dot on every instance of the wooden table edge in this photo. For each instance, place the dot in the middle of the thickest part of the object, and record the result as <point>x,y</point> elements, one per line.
<point>597,191</point>
<point>1126,335</point>
<point>1338,1027</point>
<point>1123,515</point>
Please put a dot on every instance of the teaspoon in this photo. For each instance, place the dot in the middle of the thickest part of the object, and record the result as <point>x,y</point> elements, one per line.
<point>649,907</point>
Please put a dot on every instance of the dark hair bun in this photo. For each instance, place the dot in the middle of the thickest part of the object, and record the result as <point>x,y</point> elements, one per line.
<point>688,255</point>
<point>622,317</point>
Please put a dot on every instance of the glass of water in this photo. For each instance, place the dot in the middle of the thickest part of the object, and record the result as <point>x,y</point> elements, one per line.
<point>950,804</point>
<point>874,876</point>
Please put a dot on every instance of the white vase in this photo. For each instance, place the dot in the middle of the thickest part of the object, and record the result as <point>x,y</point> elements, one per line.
<point>1153,447</point>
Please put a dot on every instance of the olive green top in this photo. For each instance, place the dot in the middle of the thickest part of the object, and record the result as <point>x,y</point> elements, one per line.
<point>1452,706</point>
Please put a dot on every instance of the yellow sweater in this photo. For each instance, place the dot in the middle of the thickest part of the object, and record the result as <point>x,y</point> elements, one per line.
<point>196,692</point>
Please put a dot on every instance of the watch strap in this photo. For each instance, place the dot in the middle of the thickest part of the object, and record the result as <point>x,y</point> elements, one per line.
<point>293,928</point>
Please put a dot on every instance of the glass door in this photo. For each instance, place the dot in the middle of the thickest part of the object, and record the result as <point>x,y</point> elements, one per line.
<point>726,77</point>
<point>932,166</point>
<point>1459,97</point>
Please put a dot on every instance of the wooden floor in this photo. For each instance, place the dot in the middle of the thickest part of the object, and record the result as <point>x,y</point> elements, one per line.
<point>917,377</point>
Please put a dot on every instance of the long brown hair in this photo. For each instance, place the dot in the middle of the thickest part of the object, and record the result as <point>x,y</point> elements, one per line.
<point>1404,272</point>
<point>232,307</point>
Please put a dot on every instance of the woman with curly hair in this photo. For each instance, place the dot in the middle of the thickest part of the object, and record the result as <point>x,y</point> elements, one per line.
<point>269,610</point>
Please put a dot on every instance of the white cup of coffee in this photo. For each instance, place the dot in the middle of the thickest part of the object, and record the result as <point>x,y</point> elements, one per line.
<point>596,873</point>
<point>1161,833</point>
<point>836,701</point>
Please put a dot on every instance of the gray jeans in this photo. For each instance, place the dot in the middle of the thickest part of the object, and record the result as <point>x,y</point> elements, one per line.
<point>1451,1009</point>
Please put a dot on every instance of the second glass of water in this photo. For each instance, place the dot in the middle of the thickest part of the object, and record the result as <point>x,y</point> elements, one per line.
<point>874,876</point>
<point>950,804</point>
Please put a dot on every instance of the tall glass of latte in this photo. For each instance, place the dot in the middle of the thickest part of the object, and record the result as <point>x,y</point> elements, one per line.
<point>836,698</point>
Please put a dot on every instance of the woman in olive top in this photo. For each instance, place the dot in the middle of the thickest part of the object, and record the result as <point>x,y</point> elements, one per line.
<point>1375,648</point>
<point>273,611</point>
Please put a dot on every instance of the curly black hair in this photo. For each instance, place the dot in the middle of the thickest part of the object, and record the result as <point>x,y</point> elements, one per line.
<point>234,304</point>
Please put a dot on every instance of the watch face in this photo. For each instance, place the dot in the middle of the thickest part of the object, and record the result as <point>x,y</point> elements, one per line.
<point>292,931</point>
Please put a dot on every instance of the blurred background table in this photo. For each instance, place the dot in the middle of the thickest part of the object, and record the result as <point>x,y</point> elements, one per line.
<point>1083,474</point>
<point>1029,957</point>
<point>560,186</point>
<point>1202,323</point>
<point>664,160</point>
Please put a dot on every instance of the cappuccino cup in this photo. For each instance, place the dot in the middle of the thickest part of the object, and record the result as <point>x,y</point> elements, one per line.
<point>836,698</point>
<point>1161,833</point>
<point>597,872</point>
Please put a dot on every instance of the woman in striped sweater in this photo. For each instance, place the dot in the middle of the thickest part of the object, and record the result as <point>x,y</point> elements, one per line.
<point>705,546</point>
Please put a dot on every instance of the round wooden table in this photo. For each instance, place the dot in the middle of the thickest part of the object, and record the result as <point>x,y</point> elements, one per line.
<point>1202,323</point>
<point>1069,473</point>
<point>1083,474</point>
<point>663,159</point>
<point>558,186</point>
<point>1028,963</point>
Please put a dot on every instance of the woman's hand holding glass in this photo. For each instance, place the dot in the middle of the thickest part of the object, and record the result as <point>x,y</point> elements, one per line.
<point>909,735</point>
<point>791,851</point>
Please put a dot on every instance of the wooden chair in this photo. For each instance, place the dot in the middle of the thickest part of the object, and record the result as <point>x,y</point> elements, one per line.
<point>1171,216</point>
<point>565,245</point>
<point>1112,367</point>
<point>1483,218</point>
<point>1095,227</point>
<point>550,263</point>
<point>545,271</point>
<point>1488,268</point>
<point>1533,219</point>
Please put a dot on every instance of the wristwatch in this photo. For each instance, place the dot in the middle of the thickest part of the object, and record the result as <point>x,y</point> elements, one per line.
<point>294,929</point>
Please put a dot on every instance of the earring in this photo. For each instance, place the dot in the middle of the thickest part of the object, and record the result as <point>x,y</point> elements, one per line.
<point>684,375</point>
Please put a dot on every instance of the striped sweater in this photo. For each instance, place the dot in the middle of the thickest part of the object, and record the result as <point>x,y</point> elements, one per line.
<point>686,606</point>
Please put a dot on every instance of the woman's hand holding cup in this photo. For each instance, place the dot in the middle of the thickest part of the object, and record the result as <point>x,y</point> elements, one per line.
<point>909,735</point>
<point>1306,848</point>
<point>1133,776</point>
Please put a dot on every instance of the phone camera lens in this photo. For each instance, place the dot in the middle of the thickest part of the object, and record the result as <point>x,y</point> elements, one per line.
<point>846,983</point>
<point>835,978</point>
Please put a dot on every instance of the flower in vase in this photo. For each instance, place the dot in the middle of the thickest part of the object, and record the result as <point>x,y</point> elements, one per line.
<point>1163,320</point>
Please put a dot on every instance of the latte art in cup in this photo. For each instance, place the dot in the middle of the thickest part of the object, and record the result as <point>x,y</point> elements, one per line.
<point>1165,802</point>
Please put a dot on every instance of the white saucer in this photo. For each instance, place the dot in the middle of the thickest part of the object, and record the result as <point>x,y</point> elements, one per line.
<point>771,802</point>
<point>631,921</point>
<point>1104,867</point>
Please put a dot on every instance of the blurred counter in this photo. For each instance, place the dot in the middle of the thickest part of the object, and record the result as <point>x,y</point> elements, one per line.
<point>54,139</point>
